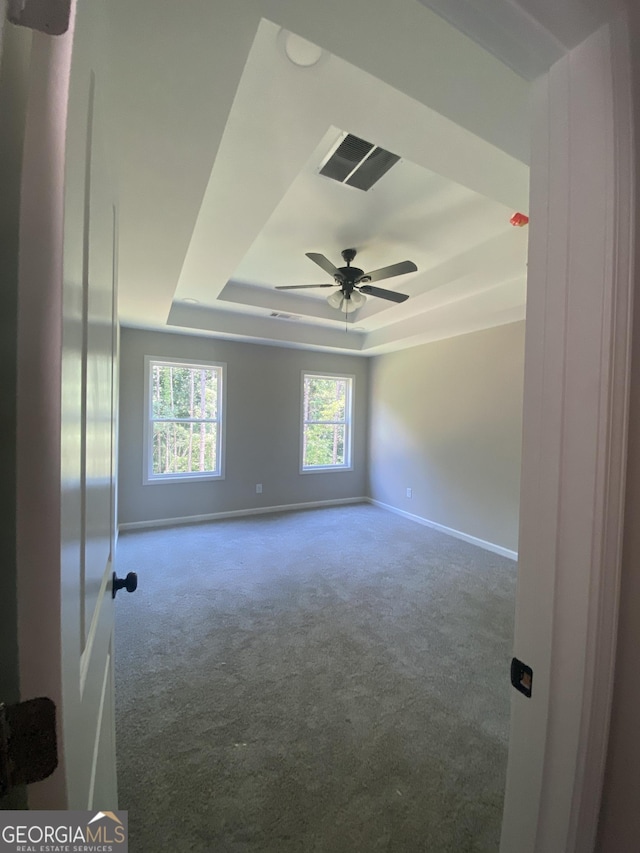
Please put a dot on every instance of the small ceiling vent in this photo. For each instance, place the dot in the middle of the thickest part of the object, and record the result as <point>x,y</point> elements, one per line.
<point>358,163</point>
<point>282,316</point>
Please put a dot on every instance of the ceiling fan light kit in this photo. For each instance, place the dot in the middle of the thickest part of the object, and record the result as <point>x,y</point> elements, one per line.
<point>346,303</point>
<point>354,282</point>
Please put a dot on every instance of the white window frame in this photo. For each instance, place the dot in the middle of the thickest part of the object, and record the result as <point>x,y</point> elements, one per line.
<point>348,440</point>
<point>148,477</point>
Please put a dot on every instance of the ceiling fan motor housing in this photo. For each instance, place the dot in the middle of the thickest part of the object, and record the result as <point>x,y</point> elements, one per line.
<point>348,276</point>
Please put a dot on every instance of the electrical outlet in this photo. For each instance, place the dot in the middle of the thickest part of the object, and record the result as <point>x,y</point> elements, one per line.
<point>258,488</point>
<point>409,493</point>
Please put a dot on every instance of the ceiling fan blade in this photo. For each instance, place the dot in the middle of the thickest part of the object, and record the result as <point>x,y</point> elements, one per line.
<point>323,262</point>
<point>389,272</point>
<point>391,295</point>
<point>300,286</point>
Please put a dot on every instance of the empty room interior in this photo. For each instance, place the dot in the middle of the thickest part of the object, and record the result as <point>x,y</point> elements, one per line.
<point>320,511</point>
<point>331,675</point>
<point>320,382</point>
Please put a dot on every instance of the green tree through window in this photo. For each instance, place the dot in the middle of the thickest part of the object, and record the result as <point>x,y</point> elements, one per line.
<point>184,419</point>
<point>326,416</point>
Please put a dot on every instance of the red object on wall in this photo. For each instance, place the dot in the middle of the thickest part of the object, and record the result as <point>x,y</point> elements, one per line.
<point>519,219</point>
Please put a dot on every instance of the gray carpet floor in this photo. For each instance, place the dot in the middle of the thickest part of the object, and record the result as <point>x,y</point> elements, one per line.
<point>325,681</point>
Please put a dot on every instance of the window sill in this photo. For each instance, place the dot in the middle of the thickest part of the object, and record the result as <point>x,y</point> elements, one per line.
<point>181,478</point>
<point>322,469</point>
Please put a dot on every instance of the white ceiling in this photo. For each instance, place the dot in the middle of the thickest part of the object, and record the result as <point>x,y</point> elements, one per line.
<point>221,196</point>
<point>528,35</point>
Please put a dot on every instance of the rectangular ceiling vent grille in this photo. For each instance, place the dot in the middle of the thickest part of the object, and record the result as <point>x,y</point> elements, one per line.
<point>358,163</point>
<point>282,316</point>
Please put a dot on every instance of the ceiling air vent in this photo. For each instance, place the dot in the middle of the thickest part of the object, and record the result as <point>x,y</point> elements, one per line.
<point>358,163</point>
<point>282,316</point>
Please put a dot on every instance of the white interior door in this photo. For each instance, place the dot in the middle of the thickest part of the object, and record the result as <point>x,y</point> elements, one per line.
<point>67,344</point>
<point>89,352</point>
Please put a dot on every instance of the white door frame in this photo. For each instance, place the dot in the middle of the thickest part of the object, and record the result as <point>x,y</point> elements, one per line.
<point>577,372</point>
<point>14,65</point>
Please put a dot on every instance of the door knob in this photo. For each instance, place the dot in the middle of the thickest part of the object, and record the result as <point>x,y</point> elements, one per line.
<point>130,583</point>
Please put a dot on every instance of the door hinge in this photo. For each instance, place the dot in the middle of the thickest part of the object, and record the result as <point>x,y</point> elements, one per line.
<point>28,743</point>
<point>46,16</point>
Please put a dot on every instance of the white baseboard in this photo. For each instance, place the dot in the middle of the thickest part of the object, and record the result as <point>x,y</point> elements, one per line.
<point>263,510</point>
<point>473,540</point>
<point>214,516</point>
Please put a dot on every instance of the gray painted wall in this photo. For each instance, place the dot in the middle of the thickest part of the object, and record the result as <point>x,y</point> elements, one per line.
<point>446,421</point>
<point>262,430</point>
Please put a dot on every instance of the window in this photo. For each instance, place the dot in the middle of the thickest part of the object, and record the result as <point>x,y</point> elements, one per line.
<point>326,421</point>
<point>184,417</point>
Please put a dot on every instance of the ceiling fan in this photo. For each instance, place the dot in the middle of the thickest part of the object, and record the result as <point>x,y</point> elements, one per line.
<point>354,283</point>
